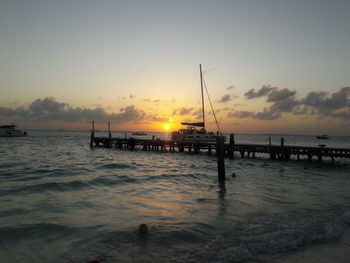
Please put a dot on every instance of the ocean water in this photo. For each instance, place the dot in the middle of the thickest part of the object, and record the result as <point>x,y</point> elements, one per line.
<point>60,201</point>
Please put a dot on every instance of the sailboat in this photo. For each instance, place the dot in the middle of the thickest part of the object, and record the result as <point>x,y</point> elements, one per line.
<point>195,131</point>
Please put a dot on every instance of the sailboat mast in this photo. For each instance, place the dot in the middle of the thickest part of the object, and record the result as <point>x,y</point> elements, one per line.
<point>200,70</point>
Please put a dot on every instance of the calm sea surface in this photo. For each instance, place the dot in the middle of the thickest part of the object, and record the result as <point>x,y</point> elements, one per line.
<point>62,202</point>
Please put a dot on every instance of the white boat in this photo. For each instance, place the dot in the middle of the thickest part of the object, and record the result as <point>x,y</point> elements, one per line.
<point>139,133</point>
<point>195,131</point>
<point>323,136</point>
<point>11,131</point>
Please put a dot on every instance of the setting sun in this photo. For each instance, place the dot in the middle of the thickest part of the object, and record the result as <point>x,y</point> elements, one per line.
<point>166,127</point>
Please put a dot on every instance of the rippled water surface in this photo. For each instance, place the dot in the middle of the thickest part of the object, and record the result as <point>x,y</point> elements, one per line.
<point>62,202</point>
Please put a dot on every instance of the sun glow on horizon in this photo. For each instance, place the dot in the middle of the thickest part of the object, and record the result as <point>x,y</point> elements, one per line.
<point>166,127</point>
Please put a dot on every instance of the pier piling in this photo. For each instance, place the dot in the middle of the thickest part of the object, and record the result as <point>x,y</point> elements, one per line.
<point>92,137</point>
<point>109,136</point>
<point>231,146</point>
<point>220,150</point>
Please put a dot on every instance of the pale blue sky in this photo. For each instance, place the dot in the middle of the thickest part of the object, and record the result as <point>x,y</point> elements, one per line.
<point>95,52</point>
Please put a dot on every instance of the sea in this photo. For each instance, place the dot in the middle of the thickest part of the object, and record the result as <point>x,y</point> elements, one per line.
<point>61,201</point>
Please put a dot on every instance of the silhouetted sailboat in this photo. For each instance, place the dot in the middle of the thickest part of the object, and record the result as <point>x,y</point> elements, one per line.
<point>195,131</point>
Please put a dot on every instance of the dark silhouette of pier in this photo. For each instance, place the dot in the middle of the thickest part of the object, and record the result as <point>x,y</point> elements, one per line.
<point>276,152</point>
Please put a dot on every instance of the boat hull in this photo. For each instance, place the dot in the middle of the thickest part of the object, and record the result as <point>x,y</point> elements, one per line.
<point>11,131</point>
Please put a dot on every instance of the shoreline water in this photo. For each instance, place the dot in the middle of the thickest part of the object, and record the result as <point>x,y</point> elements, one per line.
<point>335,252</point>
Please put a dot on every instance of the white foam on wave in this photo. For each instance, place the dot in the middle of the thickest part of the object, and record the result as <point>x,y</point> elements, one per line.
<point>271,235</point>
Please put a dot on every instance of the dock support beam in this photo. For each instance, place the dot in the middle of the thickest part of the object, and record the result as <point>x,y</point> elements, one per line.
<point>283,154</point>
<point>109,135</point>
<point>92,135</point>
<point>220,152</point>
<point>232,146</point>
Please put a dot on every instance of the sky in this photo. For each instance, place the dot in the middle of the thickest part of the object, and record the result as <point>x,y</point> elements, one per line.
<point>270,66</point>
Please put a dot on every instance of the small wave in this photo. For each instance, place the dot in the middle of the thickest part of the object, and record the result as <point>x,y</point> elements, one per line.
<point>175,176</point>
<point>108,181</point>
<point>33,231</point>
<point>115,166</point>
<point>272,234</point>
<point>39,188</point>
<point>11,212</point>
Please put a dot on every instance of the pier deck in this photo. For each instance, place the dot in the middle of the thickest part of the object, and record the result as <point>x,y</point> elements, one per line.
<point>280,152</point>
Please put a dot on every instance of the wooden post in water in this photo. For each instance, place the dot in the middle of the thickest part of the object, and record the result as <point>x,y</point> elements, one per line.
<point>109,135</point>
<point>269,140</point>
<point>92,135</point>
<point>220,151</point>
<point>282,156</point>
<point>232,145</point>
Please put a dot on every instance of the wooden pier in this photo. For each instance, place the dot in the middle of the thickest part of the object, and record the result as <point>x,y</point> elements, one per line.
<point>276,152</point>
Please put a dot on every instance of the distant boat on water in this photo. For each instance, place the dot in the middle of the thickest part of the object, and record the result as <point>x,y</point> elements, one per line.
<point>139,133</point>
<point>323,136</point>
<point>11,131</point>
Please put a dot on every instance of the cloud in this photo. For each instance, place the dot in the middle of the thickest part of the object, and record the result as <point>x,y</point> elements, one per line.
<point>264,115</point>
<point>45,106</point>
<point>267,115</point>
<point>129,113</point>
<point>225,98</point>
<point>156,118</point>
<point>304,110</point>
<point>48,109</point>
<point>285,105</point>
<point>324,104</point>
<point>283,100</point>
<point>182,111</point>
<point>344,114</point>
<point>327,104</point>
<point>263,91</point>
<point>280,94</point>
<point>241,114</point>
